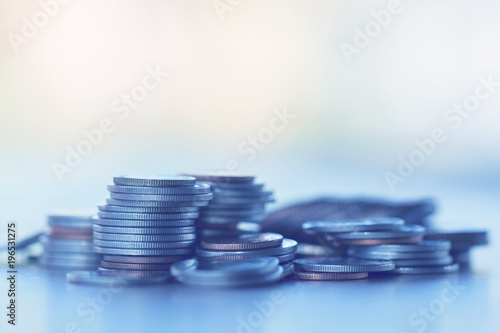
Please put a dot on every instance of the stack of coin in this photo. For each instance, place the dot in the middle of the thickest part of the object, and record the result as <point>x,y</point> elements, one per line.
<point>461,242</point>
<point>147,224</point>
<point>335,268</point>
<point>68,244</point>
<point>238,273</point>
<point>249,246</point>
<point>426,257</point>
<point>237,198</point>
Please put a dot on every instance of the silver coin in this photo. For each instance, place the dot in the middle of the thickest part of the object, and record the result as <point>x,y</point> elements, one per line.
<point>240,213</point>
<point>386,255</point>
<point>144,238</point>
<point>441,261</point>
<point>428,270</point>
<point>145,259</point>
<point>401,232</point>
<point>230,201</point>
<point>315,276</point>
<point>143,245</point>
<point>129,203</point>
<point>143,252</point>
<point>160,197</point>
<point>199,188</point>
<point>70,220</point>
<point>287,246</point>
<point>144,223</point>
<point>273,277</point>
<point>424,246</point>
<point>342,265</point>
<point>121,278</point>
<point>156,181</point>
<point>222,177</point>
<point>231,220</point>
<point>254,186</point>
<point>135,267</point>
<point>377,224</point>
<point>145,231</point>
<point>243,242</point>
<point>146,216</point>
<point>222,269</point>
<point>143,210</point>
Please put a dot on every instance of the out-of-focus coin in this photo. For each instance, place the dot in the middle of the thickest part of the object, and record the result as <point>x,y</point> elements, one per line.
<point>243,242</point>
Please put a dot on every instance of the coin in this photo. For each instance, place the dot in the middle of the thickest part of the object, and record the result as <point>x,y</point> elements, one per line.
<point>441,261</point>
<point>342,265</point>
<point>143,245</point>
<point>138,267</point>
<point>401,232</point>
<point>437,245</point>
<point>372,224</point>
<point>427,270</point>
<point>408,240</point>
<point>144,223</point>
<point>222,177</point>
<point>145,259</point>
<point>143,252</point>
<point>313,276</point>
<point>199,188</point>
<point>146,216</point>
<point>160,197</point>
<point>145,231</point>
<point>156,210</point>
<point>144,238</point>
<point>101,278</point>
<point>131,203</point>
<point>243,242</point>
<point>159,180</point>
<point>287,246</point>
<point>388,255</point>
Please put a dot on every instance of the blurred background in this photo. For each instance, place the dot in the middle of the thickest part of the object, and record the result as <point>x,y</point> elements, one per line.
<point>233,67</point>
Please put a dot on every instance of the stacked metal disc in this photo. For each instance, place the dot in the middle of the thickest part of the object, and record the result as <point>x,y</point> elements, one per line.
<point>426,257</point>
<point>244,272</point>
<point>68,244</point>
<point>249,246</point>
<point>461,242</point>
<point>335,268</point>
<point>237,198</point>
<point>147,224</point>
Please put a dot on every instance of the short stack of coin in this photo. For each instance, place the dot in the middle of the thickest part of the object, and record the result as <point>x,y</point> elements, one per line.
<point>335,268</point>
<point>68,244</point>
<point>426,257</point>
<point>237,198</point>
<point>238,273</point>
<point>148,223</point>
<point>249,246</point>
<point>461,243</point>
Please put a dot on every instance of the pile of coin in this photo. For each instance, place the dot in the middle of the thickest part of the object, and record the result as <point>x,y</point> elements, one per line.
<point>426,257</point>
<point>461,242</point>
<point>68,244</point>
<point>237,198</point>
<point>249,246</point>
<point>335,268</point>
<point>244,272</point>
<point>147,224</point>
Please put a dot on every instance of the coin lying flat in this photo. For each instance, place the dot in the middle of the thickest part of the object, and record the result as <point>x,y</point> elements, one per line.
<point>145,259</point>
<point>144,238</point>
<point>243,242</point>
<point>287,246</point>
<point>372,224</point>
<point>428,270</point>
<point>150,180</point>
<point>142,210</point>
<point>145,231</point>
<point>342,265</point>
<point>198,188</point>
<point>103,278</point>
<point>314,276</point>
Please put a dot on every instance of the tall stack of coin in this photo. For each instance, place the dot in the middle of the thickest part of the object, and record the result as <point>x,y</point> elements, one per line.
<point>147,224</point>
<point>249,246</point>
<point>68,244</point>
<point>461,242</point>
<point>237,198</point>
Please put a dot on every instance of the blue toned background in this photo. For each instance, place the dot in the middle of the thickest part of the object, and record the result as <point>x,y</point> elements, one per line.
<point>232,66</point>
